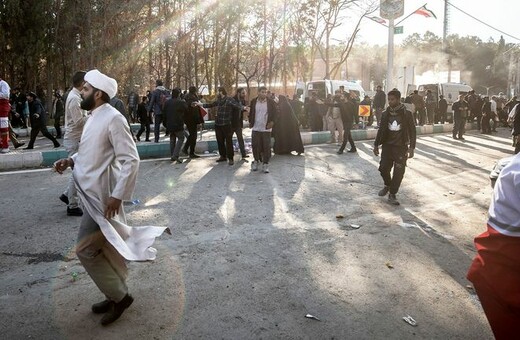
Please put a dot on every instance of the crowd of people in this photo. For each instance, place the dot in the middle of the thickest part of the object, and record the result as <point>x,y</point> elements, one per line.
<point>104,158</point>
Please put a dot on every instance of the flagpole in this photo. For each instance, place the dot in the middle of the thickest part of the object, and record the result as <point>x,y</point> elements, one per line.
<point>390,57</point>
<point>409,15</point>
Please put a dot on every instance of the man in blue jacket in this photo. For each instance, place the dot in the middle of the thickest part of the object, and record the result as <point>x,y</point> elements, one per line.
<point>157,100</point>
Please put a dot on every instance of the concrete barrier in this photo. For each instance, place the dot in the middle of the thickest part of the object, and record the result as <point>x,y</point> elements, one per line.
<point>20,159</point>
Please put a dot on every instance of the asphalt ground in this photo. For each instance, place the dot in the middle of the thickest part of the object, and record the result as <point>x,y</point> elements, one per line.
<point>252,254</point>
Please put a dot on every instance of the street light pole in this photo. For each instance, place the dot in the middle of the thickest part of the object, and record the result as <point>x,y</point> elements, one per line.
<point>390,57</point>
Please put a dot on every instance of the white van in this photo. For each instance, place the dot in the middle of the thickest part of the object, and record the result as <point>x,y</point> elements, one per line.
<point>450,91</point>
<point>328,87</point>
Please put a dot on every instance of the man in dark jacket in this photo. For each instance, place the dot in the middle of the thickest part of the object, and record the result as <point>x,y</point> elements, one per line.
<point>312,110</point>
<point>59,111</point>
<point>460,114</point>
<point>443,109</point>
<point>420,112</point>
<point>397,135</point>
<point>38,118</point>
<point>348,112</point>
<point>237,121</point>
<point>486,116</point>
<point>157,100</point>
<point>175,110</point>
<point>261,120</point>
<point>192,119</point>
<point>379,103</point>
<point>431,106</point>
<point>144,119</point>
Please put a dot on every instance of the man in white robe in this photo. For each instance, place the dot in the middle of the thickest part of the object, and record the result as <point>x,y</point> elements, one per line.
<point>105,171</point>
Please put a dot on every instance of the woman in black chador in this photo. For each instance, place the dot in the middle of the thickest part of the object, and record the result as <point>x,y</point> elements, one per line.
<point>286,130</point>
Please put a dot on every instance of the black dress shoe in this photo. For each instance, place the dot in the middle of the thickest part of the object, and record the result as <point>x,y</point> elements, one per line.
<point>352,150</point>
<point>57,145</point>
<point>221,159</point>
<point>101,307</point>
<point>64,199</point>
<point>74,212</point>
<point>115,310</point>
<point>19,145</point>
<point>194,156</point>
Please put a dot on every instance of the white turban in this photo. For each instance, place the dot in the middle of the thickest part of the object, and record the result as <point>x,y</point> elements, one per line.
<point>102,82</point>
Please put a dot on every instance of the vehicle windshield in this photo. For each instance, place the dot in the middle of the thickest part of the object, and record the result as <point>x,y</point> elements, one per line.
<point>318,87</point>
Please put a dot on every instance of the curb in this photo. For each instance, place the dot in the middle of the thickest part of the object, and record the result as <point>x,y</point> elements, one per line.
<point>20,160</point>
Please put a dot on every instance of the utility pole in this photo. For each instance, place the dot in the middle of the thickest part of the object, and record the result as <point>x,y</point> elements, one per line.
<point>284,71</point>
<point>445,31</point>
<point>390,10</point>
<point>390,57</point>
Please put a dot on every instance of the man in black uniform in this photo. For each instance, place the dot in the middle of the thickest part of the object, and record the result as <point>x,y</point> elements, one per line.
<point>397,135</point>
<point>38,118</point>
<point>348,113</point>
<point>443,109</point>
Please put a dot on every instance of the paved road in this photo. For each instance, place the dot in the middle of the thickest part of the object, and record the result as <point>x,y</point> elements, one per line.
<point>251,254</point>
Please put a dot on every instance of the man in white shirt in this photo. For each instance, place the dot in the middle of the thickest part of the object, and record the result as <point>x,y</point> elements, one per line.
<point>261,118</point>
<point>75,118</point>
<point>5,107</point>
<point>105,172</point>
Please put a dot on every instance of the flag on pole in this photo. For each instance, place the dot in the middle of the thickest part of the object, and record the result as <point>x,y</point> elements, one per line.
<point>425,12</point>
<point>378,20</point>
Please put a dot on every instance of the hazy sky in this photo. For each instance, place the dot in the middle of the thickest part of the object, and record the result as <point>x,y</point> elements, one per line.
<point>502,14</point>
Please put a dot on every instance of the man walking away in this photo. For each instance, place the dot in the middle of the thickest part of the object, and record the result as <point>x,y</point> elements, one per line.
<point>75,118</point>
<point>397,135</point>
<point>105,171</point>
<point>175,110</point>
<point>460,114</point>
<point>261,119</point>
<point>132,102</point>
<point>59,110</point>
<point>158,98</point>
<point>143,117</point>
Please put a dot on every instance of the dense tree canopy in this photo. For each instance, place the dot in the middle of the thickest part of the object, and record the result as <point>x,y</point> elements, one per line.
<point>216,43</point>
